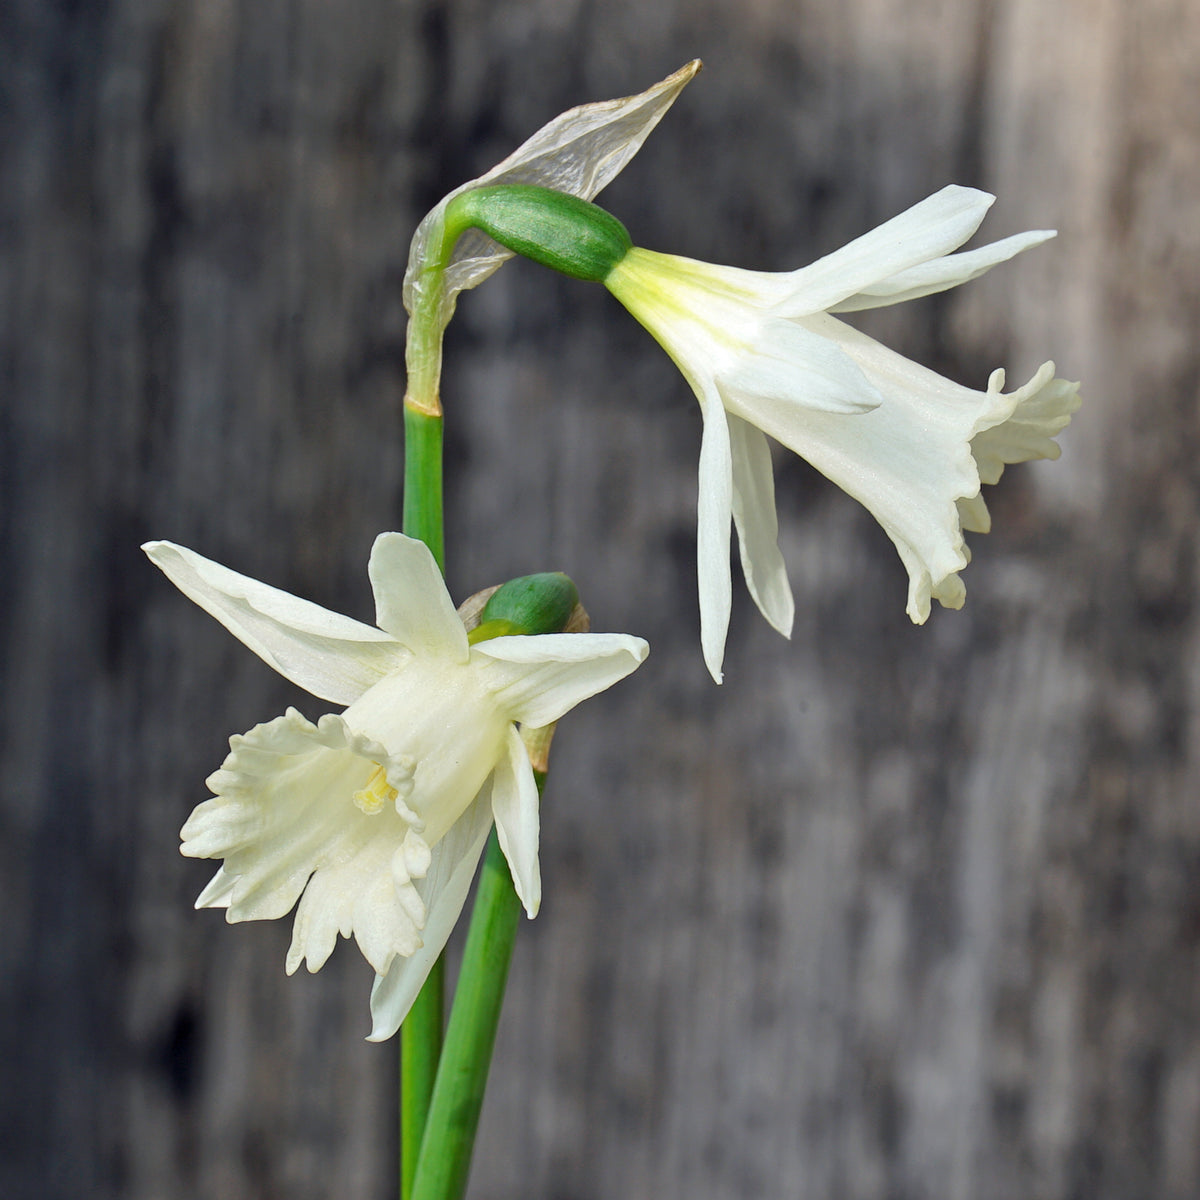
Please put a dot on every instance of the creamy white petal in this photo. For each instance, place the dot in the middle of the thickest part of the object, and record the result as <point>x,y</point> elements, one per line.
<point>515,809</point>
<point>788,364</point>
<point>327,654</point>
<point>938,224</point>
<point>581,151</point>
<point>536,680</point>
<point>758,525</point>
<point>411,601</point>
<point>715,512</point>
<point>443,890</point>
<point>973,514</point>
<point>927,278</point>
<point>217,891</point>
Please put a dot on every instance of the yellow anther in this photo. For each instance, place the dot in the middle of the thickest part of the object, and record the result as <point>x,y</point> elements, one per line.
<point>377,792</point>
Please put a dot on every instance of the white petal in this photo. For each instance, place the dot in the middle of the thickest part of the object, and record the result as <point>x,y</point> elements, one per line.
<point>758,524</point>
<point>715,511</point>
<point>327,654</point>
<point>217,891</point>
<point>535,680</point>
<point>581,151</point>
<point>930,229</point>
<point>937,275</point>
<point>515,809</point>
<point>444,891</point>
<point>285,822</point>
<point>973,514</point>
<point>792,366</point>
<point>411,601</point>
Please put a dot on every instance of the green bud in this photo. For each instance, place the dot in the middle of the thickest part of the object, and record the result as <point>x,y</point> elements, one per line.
<point>561,231</point>
<point>532,604</point>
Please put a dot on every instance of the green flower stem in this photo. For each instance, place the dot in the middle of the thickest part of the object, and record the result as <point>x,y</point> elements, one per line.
<point>462,1076</point>
<point>423,480</point>
<point>421,1033</point>
<point>420,1050</point>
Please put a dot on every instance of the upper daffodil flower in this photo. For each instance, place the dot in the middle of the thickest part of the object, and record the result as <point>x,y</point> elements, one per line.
<point>579,152</point>
<point>374,818</point>
<point>765,357</point>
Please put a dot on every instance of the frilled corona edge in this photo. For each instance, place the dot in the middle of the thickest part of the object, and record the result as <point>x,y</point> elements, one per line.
<point>354,863</point>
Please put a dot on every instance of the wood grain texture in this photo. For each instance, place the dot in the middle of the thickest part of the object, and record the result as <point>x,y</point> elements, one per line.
<point>897,912</point>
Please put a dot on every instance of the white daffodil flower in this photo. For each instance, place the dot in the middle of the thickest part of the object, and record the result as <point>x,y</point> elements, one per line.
<point>374,818</point>
<point>580,152</point>
<point>764,357</point>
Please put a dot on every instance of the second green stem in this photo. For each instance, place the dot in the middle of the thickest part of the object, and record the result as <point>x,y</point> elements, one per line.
<point>421,1033</point>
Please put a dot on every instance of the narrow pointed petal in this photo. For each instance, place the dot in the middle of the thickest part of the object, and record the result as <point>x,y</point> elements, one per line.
<point>715,512</point>
<point>217,892</point>
<point>444,891</point>
<point>758,524</point>
<point>411,601</point>
<point>928,230</point>
<point>790,365</point>
<point>515,809</point>
<point>325,653</point>
<point>939,274</point>
<point>536,680</point>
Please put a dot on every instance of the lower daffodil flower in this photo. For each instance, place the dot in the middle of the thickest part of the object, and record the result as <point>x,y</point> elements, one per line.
<point>764,356</point>
<point>374,818</point>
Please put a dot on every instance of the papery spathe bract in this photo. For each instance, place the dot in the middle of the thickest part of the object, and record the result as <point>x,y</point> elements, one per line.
<point>765,357</point>
<point>579,152</point>
<point>374,819</point>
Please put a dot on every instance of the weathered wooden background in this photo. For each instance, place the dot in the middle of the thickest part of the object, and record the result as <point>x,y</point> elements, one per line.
<point>898,912</point>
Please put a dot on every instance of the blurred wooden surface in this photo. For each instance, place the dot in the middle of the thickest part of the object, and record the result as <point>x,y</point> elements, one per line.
<point>897,913</point>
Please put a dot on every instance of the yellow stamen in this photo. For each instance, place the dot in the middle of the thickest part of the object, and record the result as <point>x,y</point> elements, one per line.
<point>377,792</point>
